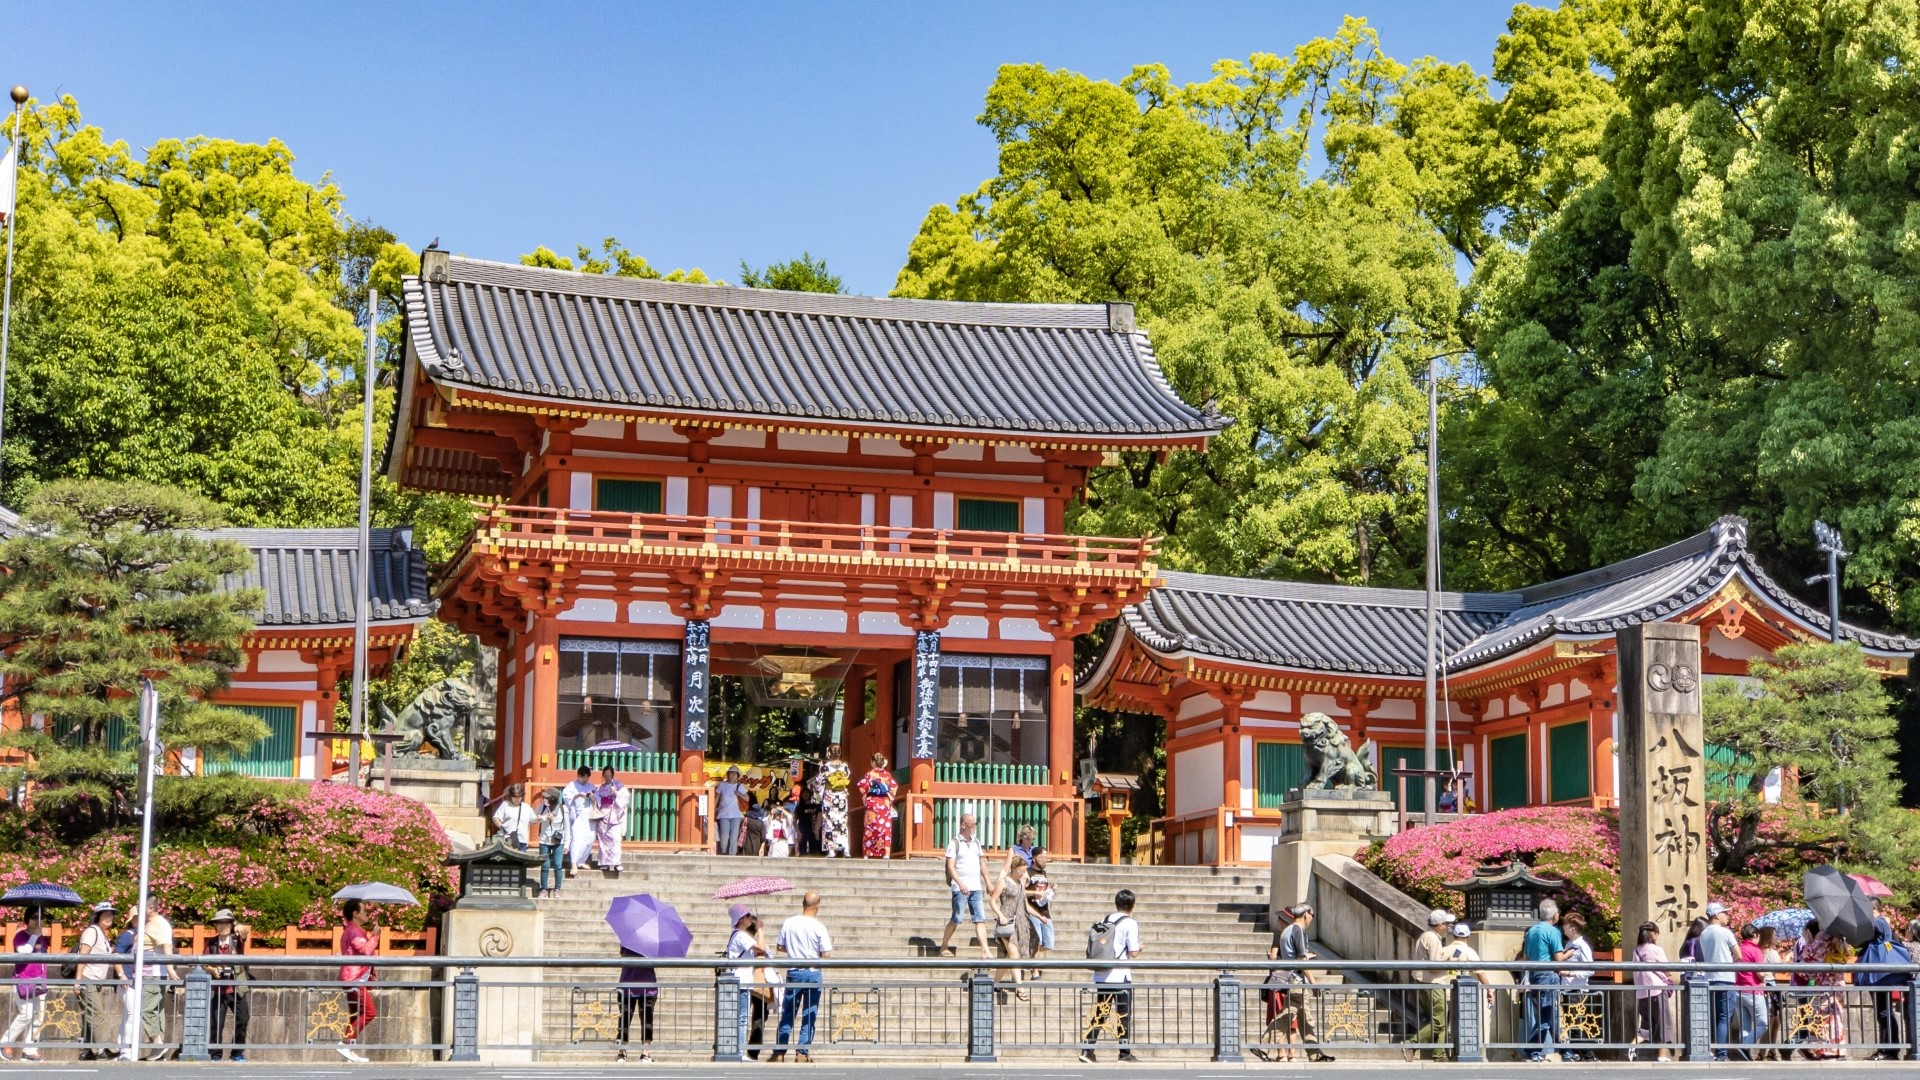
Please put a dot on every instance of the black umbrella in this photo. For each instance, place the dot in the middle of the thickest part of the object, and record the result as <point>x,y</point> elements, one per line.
<point>1839,906</point>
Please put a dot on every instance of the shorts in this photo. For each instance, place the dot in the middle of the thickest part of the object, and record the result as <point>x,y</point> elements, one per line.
<point>1042,929</point>
<point>974,903</point>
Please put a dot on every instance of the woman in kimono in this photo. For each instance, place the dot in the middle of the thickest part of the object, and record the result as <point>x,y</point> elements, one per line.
<point>835,782</point>
<point>611,827</point>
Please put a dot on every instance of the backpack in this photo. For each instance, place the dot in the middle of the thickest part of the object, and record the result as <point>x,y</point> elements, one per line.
<point>1883,950</point>
<point>1103,939</point>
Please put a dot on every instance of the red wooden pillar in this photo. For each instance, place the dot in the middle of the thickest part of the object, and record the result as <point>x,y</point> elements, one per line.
<point>1060,764</point>
<point>1600,731</point>
<point>541,683</point>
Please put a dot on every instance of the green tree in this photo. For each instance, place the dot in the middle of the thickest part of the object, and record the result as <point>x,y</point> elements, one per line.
<point>1298,298</point>
<point>1819,712</point>
<point>804,274</point>
<point>107,584</point>
<point>613,259</point>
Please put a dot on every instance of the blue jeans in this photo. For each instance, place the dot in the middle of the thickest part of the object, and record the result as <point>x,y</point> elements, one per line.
<point>1542,1015</point>
<point>746,1011</point>
<point>1723,1003</point>
<point>726,838</point>
<point>553,858</point>
<point>1751,1010</point>
<point>804,1001</point>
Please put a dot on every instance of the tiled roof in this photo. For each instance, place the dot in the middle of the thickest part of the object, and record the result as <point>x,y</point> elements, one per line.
<point>1337,628</point>
<point>9,524</point>
<point>307,575</point>
<point>1029,369</point>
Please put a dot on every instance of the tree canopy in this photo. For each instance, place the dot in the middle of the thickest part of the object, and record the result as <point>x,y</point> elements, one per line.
<point>804,274</point>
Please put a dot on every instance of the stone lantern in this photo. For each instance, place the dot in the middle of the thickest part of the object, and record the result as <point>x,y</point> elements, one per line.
<point>495,917</point>
<point>1504,897</point>
<point>495,876</point>
<point>1115,793</point>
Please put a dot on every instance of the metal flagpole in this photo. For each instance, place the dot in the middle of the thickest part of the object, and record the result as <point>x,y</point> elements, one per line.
<point>6,292</point>
<point>1433,582</point>
<point>362,573</point>
<point>149,746</point>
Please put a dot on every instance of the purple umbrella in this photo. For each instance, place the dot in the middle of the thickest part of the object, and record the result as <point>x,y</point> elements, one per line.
<point>41,894</point>
<point>649,926</point>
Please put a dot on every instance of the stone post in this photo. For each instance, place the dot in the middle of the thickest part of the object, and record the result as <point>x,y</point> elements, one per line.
<point>1227,1036</point>
<point>980,1022</point>
<point>196,1013</point>
<point>1663,851</point>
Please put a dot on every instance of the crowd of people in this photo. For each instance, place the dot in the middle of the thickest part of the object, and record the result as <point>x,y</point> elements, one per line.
<point>580,826</point>
<point>812,817</point>
<point>110,1011</point>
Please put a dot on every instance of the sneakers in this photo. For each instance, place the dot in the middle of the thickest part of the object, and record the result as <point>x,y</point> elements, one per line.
<point>1087,1058</point>
<point>353,1055</point>
<point>1127,1055</point>
<point>239,1057</point>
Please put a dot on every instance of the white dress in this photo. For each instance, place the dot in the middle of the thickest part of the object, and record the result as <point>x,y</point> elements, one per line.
<point>581,800</point>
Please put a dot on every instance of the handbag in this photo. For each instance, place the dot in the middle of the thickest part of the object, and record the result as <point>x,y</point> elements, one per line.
<point>1003,930</point>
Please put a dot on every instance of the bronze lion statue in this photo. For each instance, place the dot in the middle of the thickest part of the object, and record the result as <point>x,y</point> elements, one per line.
<point>1331,761</point>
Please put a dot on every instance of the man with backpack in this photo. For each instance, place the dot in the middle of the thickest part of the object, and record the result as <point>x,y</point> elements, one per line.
<point>1116,937</point>
<point>1290,944</point>
<point>1885,948</point>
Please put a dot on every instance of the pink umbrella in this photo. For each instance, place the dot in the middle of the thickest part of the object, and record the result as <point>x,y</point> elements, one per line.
<point>1871,886</point>
<point>753,886</point>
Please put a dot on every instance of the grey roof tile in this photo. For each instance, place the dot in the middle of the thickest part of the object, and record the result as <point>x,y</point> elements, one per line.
<point>1345,629</point>
<point>307,575</point>
<point>997,368</point>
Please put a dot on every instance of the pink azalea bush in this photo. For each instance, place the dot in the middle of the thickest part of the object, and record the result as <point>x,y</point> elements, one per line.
<point>1582,847</point>
<point>276,864</point>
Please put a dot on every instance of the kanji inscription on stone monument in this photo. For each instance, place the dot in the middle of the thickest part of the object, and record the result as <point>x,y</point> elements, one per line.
<point>1663,856</point>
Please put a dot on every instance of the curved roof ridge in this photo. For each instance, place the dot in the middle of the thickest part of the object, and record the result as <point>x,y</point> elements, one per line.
<point>547,279</point>
<point>1322,592</point>
<point>1730,533</point>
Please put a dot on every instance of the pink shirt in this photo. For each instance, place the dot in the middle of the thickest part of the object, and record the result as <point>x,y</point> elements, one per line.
<point>1749,981</point>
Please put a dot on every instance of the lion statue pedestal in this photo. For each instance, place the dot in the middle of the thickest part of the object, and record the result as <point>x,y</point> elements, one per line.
<point>1337,811</point>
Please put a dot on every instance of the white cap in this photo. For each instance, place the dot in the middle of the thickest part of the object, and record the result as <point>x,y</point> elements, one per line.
<point>1438,916</point>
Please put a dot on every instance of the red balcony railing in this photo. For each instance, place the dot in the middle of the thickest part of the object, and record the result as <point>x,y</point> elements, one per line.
<point>620,537</point>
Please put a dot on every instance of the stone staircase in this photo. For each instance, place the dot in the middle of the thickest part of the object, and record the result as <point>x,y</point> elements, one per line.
<point>889,909</point>
<point>899,907</point>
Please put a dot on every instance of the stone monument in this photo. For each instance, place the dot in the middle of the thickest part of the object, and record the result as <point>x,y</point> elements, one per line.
<point>496,917</point>
<point>1338,811</point>
<point>1663,850</point>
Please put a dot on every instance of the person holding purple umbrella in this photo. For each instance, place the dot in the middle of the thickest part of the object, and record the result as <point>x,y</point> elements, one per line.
<point>639,991</point>
<point>32,988</point>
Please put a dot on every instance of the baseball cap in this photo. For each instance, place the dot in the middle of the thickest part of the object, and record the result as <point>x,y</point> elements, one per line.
<point>1716,908</point>
<point>1438,916</point>
<point>1461,929</point>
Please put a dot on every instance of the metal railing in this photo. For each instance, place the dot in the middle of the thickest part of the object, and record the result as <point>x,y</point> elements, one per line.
<point>531,1008</point>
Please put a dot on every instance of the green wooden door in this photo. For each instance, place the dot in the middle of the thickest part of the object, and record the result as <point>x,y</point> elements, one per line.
<point>988,515</point>
<point>1507,764</point>
<point>1409,757</point>
<point>1277,769</point>
<point>1569,763</point>
<point>272,756</point>
<point>627,496</point>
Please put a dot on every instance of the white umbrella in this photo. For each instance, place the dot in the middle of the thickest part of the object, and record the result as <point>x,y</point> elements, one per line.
<point>376,892</point>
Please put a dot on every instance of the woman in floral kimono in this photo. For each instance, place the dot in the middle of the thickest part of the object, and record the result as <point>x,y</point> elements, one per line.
<point>1827,1011</point>
<point>876,792</point>
<point>611,827</point>
<point>835,781</point>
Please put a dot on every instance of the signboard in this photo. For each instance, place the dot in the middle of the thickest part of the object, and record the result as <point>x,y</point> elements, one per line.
<point>926,694</point>
<point>695,685</point>
<point>1663,851</point>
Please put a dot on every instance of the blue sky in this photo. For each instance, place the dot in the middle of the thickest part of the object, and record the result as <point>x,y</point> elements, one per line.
<point>698,134</point>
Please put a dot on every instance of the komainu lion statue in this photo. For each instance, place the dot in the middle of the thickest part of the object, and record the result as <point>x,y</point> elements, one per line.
<point>432,720</point>
<point>1331,761</point>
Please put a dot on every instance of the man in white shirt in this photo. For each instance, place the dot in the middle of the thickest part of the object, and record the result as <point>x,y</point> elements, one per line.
<point>582,801</point>
<point>728,817</point>
<point>802,937</point>
<point>967,886</point>
<point>513,818</point>
<point>1113,987</point>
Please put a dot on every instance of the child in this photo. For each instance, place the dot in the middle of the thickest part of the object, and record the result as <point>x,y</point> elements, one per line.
<point>780,832</point>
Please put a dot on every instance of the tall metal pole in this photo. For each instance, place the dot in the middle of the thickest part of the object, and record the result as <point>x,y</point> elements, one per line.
<point>1827,538</point>
<point>362,567</point>
<point>6,296</point>
<point>149,746</point>
<point>1433,584</point>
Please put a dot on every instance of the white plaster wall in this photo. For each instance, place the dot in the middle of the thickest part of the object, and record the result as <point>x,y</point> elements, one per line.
<point>741,617</point>
<point>966,626</point>
<point>1013,629</point>
<point>1721,645</point>
<point>309,766</point>
<point>648,612</point>
<point>1198,782</point>
<point>604,429</point>
<point>882,622</point>
<point>1555,695</point>
<point>580,495</point>
<point>900,511</point>
<point>526,728</point>
<point>1022,454</point>
<point>1273,701</point>
<point>963,452</point>
<point>1496,709</point>
<point>281,660</point>
<point>943,509</point>
<point>819,444</point>
<point>1394,709</point>
<point>587,609</point>
<point>1197,705</point>
<point>883,448</point>
<point>866,509</point>
<point>664,433</point>
<point>1320,703</point>
<point>1256,842</point>
<point>753,504</point>
<point>747,439</point>
<point>1033,515</point>
<point>676,495</point>
<point>818,620</point>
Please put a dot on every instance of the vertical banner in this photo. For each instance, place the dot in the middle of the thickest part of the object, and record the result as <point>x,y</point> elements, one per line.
<point>694,688</point>
<point>1663,849</point>
<point>926,694</point>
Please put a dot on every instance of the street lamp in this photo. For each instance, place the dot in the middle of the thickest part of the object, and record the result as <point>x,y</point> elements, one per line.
<point>1826,538</point>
